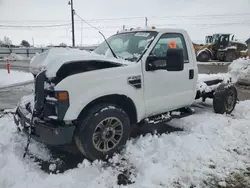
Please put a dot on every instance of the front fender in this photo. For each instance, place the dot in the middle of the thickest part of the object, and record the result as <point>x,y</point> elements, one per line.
<point>204,50</point>
<point>209,51</point>
<point>81,92</point>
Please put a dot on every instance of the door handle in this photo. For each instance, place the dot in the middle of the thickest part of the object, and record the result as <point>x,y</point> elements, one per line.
<point>191,74</point>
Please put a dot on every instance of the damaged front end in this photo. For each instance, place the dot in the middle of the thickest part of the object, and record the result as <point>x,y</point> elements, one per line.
<point>42,113</point>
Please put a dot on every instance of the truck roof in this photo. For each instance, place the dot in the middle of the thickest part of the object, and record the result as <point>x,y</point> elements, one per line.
<point>222,34</point>
<point>159,30</point>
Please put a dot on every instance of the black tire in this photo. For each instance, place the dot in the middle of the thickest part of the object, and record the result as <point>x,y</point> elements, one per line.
<point>230,56</point>
<point>225,99</point>
<point>203,57</point>
<point>90,124</point>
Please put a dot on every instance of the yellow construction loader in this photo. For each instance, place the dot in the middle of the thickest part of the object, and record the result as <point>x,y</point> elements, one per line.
<point>221,47</point>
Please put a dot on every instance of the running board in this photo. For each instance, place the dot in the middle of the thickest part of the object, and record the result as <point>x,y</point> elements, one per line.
<point>168,116</point>
<point>181,113</point>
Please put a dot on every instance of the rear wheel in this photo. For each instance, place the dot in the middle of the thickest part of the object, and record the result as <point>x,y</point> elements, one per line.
<point>230,56</point>
<point>225,99</point>
<point>102,132</point>
<point>203,57</point>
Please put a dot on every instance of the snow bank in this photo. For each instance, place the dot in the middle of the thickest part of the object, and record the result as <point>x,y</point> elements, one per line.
<point>210,145</point>
<point>14,77</point>
<point>16,57</point>
<point>240,70</point>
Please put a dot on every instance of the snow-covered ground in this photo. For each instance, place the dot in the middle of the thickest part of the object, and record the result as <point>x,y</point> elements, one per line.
<point>210,145</point>
<point>240,70</point>
<point>14,77</point>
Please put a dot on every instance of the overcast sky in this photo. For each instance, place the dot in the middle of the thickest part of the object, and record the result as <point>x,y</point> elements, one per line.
<point>198,17</point>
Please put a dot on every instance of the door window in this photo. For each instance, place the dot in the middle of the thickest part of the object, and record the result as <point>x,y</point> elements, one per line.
<point>170,40</point>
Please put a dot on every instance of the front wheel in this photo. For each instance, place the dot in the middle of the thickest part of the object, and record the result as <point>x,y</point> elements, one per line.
<point>203,56</point>
<point>102,132</point>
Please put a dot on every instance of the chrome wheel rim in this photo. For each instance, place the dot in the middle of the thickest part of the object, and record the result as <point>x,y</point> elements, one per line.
<point>230,101</point>
<point>107,134</point>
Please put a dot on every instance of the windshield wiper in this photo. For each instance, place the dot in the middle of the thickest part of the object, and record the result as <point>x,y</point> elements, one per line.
<point>108,45</point>
<point>132,59</point>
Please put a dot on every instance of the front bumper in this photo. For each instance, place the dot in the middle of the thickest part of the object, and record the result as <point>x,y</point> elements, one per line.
<point>51,133</point>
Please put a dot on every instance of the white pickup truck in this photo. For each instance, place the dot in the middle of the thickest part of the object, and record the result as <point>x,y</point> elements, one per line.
<point>94,99</point>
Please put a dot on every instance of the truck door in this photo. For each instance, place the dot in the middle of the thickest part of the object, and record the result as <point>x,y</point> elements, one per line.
<point>169,90</point>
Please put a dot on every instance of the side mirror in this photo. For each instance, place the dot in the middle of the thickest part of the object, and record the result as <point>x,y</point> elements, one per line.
<point>175,59</point>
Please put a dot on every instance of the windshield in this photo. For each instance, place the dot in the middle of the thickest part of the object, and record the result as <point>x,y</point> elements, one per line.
<point>215,38</point>
<point>129,46</point>
<point>209,39</point>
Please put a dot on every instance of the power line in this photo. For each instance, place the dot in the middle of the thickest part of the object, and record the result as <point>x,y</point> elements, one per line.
<point>33,26</point>
<point>205,16</point>
<point>245,23</point>
<point>113,27</point>
<point>87,22</point>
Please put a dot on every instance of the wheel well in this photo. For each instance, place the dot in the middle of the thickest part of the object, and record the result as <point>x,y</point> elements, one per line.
<point>209,52</point>
<point>122,101</point>
<point>205,50</point>
<point>232,50</point>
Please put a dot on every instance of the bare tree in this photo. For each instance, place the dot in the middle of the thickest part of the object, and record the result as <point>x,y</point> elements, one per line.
<point>7,41</point>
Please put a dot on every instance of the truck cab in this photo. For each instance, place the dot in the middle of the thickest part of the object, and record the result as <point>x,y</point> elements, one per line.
<point>158,81</point>
<point>94,99</point>
<point>208,39</point>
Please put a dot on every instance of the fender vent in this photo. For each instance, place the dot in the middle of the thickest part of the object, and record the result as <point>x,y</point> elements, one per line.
<point>135,81</point>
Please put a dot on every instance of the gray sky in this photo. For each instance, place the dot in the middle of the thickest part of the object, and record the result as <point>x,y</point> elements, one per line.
<point>198,17</point>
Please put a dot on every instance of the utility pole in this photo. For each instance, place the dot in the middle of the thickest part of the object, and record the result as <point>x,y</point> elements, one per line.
<point>81,33</point>
<point>33,42</point>
<point>73,24</point>
<point>146,22</point>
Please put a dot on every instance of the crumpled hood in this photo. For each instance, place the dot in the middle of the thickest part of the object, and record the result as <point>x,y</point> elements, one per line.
<point>51,60</point>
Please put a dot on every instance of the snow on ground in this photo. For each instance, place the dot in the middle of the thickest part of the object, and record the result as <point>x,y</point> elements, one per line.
<point>14,77</point>
<point>240,70</point>
<point>210,145</point>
